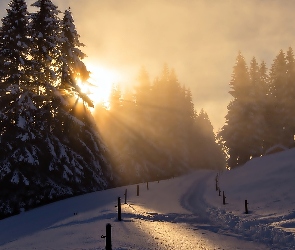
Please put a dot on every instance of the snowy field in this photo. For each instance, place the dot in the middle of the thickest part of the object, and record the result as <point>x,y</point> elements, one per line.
<point>181,213</point>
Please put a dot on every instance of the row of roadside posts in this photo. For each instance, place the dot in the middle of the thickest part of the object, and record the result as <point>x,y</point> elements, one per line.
<point>108,236</point>
<point>223,195</point>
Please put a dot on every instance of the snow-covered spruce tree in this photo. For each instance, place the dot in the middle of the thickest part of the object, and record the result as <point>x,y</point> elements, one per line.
<point>52,153</point>
<point>235,132</point>
<point>265,108</point>
<point>14,53</point>
<point>278,96</point>
<point>72,66</point>
<point>281,105</point>
<point>257,95</point>
<point>45,49</point>
<point>289,100</point>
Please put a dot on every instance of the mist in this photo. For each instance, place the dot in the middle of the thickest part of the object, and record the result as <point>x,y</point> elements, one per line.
<point>199,39</point>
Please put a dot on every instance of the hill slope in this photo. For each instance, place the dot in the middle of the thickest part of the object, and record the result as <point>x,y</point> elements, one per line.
<point>180,213</point>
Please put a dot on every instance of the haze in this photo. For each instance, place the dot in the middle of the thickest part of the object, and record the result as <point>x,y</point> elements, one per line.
<point>199,39</point>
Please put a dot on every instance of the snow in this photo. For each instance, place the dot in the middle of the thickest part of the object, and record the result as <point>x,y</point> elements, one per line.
<point>21,122</point>
<point>15,177</point>
<point>181,213</point>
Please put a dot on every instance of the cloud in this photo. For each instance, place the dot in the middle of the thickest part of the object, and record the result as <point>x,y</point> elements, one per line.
<point>199,39</point>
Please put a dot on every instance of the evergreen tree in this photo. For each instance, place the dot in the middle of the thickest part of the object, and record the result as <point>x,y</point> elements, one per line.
<point>45,48</point>
<point>278,90</point>
<point>47,153</point>
<point>235,132</point>
<point>144,105</point>
<point>188,112</point>
<point>14,52</point>
<point>256,124</point>
<point>207,153</point>
<point>73,68</point>
<point>14,46</point>
<point>265,107</point>
<point>289,98</point>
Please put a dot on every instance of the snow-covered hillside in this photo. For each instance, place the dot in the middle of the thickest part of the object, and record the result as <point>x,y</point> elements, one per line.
<point>181,213</point>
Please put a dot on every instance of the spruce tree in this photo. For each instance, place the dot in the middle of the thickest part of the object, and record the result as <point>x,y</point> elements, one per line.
<point>72,68</point>
<point>45,48</point>
<point>144,105</point>
<point>234,133</point>
<point>14,52</point>
<point>278,90</point>
<point>289,98</point>
<point>47,153</point>
<point>207,153</point>
<point>265,107</point>
<point>255,125</point>
<point>14,46</point>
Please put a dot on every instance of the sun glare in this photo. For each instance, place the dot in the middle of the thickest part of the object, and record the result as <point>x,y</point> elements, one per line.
<point>100,84</point>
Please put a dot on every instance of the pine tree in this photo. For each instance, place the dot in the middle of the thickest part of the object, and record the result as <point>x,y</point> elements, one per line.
<point>14,46</point>
<point>144,106</point>
<point>47,153</point>
<point>188,117</point>
<point>289,98</point>
<point>143,88</point>
<point>15,79</point>
<point>45,49</point>
<point>256,125</point>
<point>235,132</point>
<point>73,68</point>
<point>207,153</point>
<point>265,107</point>
<point>278,89</point>
<point>13,63</point>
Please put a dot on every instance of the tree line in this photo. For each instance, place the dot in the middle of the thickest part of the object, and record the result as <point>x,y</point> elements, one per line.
<point>262,112</point>
<point>154,131</point>
<point>50,148</point>
<point>53,147</point>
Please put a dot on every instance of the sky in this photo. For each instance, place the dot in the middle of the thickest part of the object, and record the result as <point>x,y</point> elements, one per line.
<point>199,39</point>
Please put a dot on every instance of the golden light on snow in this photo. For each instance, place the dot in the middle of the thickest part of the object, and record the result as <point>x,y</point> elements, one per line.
<point>166,234</point>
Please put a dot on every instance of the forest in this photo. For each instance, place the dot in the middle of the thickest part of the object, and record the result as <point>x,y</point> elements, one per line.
<point>156,129</point>
<point>262,112</point>
<point>55,143</point>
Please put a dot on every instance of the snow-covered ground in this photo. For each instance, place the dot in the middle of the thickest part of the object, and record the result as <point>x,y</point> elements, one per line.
<point>180,213</point>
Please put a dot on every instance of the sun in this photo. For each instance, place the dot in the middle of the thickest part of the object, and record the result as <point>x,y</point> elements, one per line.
<point>100,84</point>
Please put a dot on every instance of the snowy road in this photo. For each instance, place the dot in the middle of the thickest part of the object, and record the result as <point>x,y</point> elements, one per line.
<point>170,215</point>
<point>189,228</point>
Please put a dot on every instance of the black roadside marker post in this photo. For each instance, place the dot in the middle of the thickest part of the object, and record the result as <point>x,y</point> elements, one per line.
<point>246,207</point>
<point>137,190</point>
<point>119,209</point>
<point>223,196</point>
<point>125,196</point>
<point>108,237</point>
<point>216,182</point>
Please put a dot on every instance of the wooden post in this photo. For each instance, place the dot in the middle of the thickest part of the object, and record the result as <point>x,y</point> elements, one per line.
<point>119,209</point>
<point>216,182</point>
<point>246,207</point>
<point>108,237</point>
<point>137,190</point>
<point>147,185</point>
<point>223,196</point>
<point>125,196</point>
